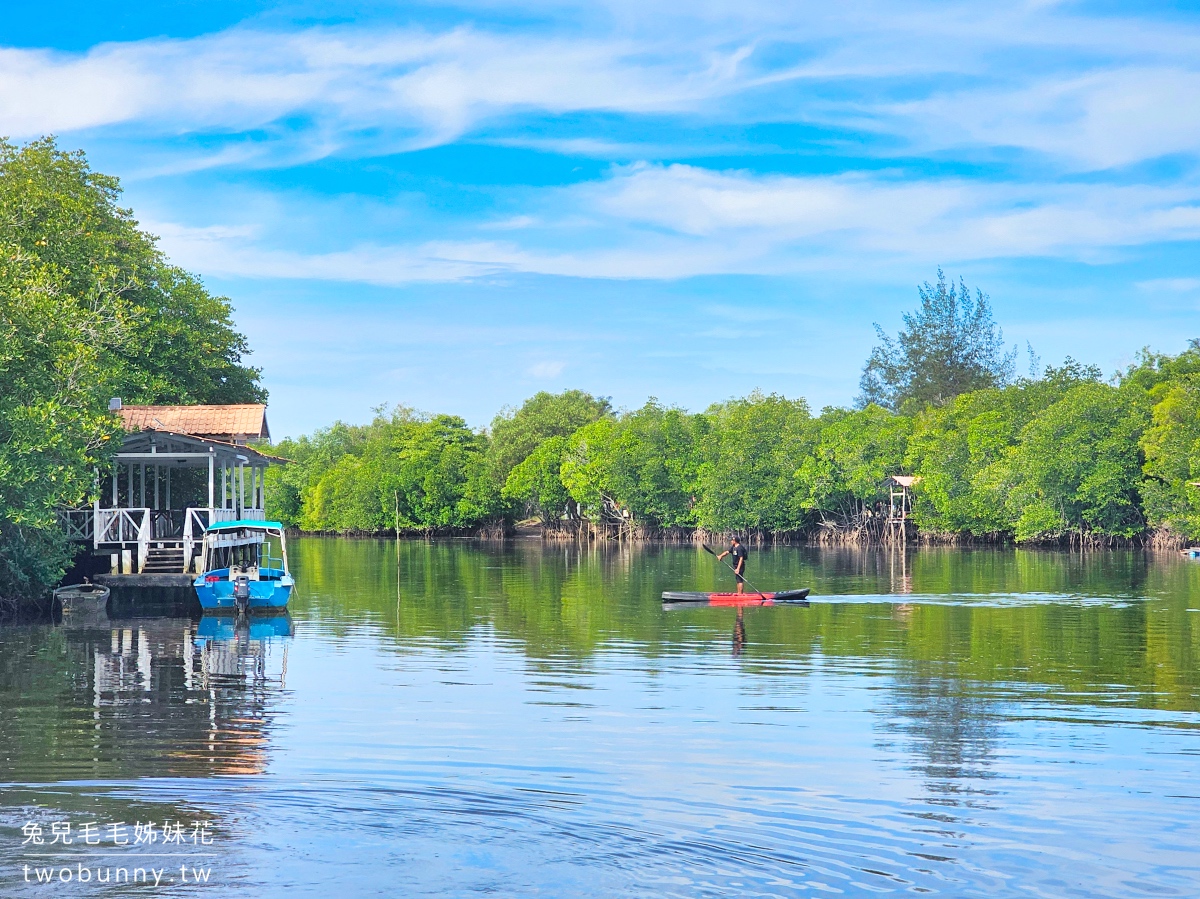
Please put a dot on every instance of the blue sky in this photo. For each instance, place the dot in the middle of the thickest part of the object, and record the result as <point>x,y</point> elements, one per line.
<point>452,206</point>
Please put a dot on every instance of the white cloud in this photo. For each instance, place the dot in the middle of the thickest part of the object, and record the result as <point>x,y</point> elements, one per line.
<point>700,201</point>
<point>227,252</point>
<point>939,218</point>
<point>670,222</point>
<point>1089,91</point>
<point>433,85</point>
<point>1099,119</point>
<point>548,370</point>
<point>1170,285</point>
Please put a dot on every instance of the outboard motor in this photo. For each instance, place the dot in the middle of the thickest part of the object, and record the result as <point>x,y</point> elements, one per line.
<point>241,593</point>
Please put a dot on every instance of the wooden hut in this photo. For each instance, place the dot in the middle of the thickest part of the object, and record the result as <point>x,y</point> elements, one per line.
<point>179,469</point>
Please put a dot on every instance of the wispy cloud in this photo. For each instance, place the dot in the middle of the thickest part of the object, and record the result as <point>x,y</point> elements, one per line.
<point>1170,285</point>
<point>430,86</point>
<point>1095,120</point>
<point>668,222</point>
<point>1089,92</point>
<point>548,369</point>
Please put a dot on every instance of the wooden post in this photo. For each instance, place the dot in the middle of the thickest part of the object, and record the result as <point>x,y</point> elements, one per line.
<point>168,486</point>
<point>157,475</point>
<point>95,507</point>
<point>142,482</point>
<point>224,487</point>
<point>241,497</point>
<point>210,479</point>
<point>114,485</point>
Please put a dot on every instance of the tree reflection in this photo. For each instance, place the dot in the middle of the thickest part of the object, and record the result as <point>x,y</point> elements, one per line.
<point>950,732</point>
<point>1082,623</point>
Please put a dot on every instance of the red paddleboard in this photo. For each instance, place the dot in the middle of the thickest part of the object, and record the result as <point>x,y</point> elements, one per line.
<point>674,599</point>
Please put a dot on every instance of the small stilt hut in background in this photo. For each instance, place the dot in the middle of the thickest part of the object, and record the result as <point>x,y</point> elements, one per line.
<point>899,519</point>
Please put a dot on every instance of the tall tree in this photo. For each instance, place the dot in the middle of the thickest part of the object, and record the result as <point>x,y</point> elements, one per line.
<point>517,433</point>
<point>1077,469</point>
<point>948,346</point>
<point>162,336</point>
<point>751,450</point>
<point>89,309</point>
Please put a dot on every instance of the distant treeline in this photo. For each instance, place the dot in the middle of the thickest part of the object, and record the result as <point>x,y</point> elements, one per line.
<point>1066,456</point>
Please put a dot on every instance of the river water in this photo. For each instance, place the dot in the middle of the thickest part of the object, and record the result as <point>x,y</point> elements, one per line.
<point>448,720</point>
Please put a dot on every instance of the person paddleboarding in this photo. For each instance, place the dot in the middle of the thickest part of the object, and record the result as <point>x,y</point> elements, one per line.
<point>737,553</point>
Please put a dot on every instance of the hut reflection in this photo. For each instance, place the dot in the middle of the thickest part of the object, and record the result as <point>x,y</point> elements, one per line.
<point>170,697</point>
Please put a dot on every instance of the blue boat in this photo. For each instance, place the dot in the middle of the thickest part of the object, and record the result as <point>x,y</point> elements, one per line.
<point>240,574</point>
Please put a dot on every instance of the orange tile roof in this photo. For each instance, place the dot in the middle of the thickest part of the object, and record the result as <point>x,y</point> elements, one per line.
<point>245,420</point>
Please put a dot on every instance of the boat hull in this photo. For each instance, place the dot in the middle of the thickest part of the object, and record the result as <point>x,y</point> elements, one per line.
<point>82,602</point>
<point>218,595</point>
<point>686,600</point>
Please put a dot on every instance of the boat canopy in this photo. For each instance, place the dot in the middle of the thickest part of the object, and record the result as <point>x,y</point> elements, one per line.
<point>244,524</point>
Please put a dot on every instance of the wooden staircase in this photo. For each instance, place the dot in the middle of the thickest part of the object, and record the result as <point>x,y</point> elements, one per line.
<point>164,560</point>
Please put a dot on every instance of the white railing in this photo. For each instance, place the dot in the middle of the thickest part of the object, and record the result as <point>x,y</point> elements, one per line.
<point>124,526</point>
<point>146,526</point>
<point>197,520</point>
<point>76,524</point>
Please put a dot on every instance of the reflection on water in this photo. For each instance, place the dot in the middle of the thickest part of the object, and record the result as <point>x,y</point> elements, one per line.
<point>448,719</point>
<point>164,696</point>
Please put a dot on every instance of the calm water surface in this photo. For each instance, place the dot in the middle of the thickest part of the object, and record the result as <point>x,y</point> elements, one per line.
<point>446,720</point>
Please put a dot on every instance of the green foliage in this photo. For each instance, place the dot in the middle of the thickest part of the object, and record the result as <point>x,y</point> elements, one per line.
<point>949,346</point>
<point>855,453</point>
<point>750,453</point>
<point>162,337</point>
<point>517,433</point>
<point>1155,372</point>
<point>404,472</point>
<point>311,457</point>
<point>587,469</point>
<point>1172,449</point>
<point>89,309</point>
<point>537,483</point>
<point>957,449</point>
<point>967,454</point>
<point>1077,468</point>
<point>656,465</point>
<point>642,466</point>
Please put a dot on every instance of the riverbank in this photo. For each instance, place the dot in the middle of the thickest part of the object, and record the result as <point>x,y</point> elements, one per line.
<point>589,532</point>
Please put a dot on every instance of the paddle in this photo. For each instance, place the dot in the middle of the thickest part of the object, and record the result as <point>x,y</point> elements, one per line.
<point>708,550</point>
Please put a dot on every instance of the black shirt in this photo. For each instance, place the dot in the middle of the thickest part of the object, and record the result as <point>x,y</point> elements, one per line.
<point>738,553</point>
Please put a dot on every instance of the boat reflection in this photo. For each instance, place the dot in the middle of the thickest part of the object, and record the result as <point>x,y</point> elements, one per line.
<point>253,628</point>
<point>237,667</point>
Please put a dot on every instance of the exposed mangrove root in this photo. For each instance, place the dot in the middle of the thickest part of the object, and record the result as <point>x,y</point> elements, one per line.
<point>856,531</point>
<point>1165,539</point>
